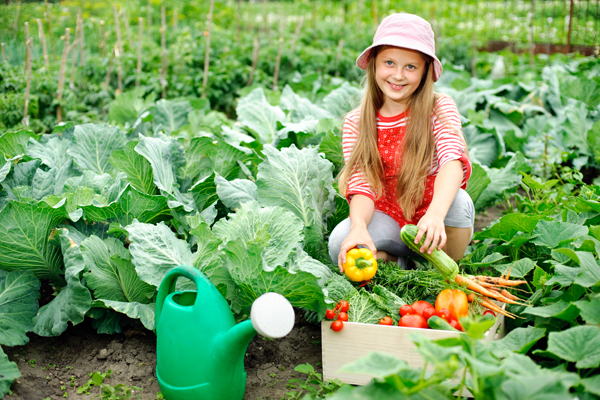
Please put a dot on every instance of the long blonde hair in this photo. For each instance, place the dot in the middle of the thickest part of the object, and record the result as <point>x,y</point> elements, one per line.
<point>418,145</point>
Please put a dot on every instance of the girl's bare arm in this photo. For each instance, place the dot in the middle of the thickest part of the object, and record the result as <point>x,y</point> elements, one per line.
<point>446,186</point>
<point>361,213</point>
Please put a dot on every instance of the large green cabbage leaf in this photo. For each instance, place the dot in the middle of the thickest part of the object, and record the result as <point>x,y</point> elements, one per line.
<point>111,274</point>
<point>135,166</point>
<point>277,230</point>
<point>92,145</point>
<point>24,231</point>
<point>299,181</point>
<point>155,250</point>
<point>247,268</point>
<point>73,300</point>
<point>364,308</point>
<point>18,305</point>
<point>255,113</point>
<point>165,157</point>
<point>8,373</point>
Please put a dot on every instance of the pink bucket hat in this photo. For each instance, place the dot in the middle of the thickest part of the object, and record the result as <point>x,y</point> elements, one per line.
<point>404,30</point>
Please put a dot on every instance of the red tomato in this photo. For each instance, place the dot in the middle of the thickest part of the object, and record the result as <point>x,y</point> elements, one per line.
<point>330,314</point>
<point>342,316</point>
<point>413,321</point>
<point>406,310</point>
<point>445,314</point>
<point>489,312</point>
<point>343,306</point>
<point>386,321</point>
<point>421,305</point>
<point>337,326</point>
<point>456,325</point>
<point>428,313</point>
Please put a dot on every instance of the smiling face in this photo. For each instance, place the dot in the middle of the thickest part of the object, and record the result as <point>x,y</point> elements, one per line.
<point>398,73</point>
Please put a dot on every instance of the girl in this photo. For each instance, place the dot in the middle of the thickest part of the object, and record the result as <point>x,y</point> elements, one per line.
<point>406,158</point>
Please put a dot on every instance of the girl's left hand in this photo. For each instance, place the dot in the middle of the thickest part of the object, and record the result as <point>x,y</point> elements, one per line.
<point>433,227</point>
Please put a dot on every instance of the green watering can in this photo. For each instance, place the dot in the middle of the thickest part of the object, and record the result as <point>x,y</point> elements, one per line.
<point>200,349</point>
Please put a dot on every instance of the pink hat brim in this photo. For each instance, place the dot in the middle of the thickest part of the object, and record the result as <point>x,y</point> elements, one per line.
<point>363,60</point>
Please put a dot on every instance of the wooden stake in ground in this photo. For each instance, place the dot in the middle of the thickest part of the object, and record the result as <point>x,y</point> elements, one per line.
<point>359,14</point>
<point>126,23</point>
<point>49,28</point>
<point>207,54</point>
<point>139,52</point>
<point>531,34</point>
<point>149,9</point>
<point>474,47</point>
<point>17,19</point>
<point>297,33</point>
<point>61,73</point>
<point>265,16</point>
<point>109,71</point>
<point>278,59</point>
<point>43,42</point>
<point>74,59</point>
<point>238,18</point>
<point>570,26</point>
<point>26,46</point>
<point>119,72</point>
<point>163,45</point>
<point>102,45</point>
<point>374,8</point>
<point>338,57</point>
<point>29,46</point>
<point>117,29</point>
<point>81,39</point>
<point>255,52</point>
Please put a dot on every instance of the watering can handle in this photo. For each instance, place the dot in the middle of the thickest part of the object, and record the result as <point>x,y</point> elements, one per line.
<point>167,286</point>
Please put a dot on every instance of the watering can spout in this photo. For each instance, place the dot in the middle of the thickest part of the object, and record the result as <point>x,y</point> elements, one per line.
<point>271,315</point>
<point>233,343</point>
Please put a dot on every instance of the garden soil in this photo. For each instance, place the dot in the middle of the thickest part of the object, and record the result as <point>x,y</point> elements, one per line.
<point>53,368</point>
<point>47,364</point>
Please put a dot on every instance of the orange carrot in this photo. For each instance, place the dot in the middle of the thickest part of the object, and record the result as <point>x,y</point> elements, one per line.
<point>494,307</point>
<point>499,281</point>
<point>506,299</point>
<point>493,286</point>
<point>511,296</point>
<point>485,284</point>
<point>472,285</point>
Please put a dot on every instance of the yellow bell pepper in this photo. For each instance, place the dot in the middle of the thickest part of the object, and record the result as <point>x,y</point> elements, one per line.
<point>360,265</point>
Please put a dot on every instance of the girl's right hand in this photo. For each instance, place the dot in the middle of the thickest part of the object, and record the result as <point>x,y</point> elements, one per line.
<point>355,237</point>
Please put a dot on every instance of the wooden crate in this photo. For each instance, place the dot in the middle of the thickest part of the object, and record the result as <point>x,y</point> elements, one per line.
<point>357,340</point>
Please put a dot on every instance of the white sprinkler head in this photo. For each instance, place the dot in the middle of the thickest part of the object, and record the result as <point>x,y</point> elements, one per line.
<point>272,315</point>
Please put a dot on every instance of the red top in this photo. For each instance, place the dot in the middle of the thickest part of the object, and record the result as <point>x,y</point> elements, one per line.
<point>390,134</point>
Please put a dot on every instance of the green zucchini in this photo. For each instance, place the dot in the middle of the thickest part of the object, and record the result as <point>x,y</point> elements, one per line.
<point>440,324</point>
<point>440,260</point>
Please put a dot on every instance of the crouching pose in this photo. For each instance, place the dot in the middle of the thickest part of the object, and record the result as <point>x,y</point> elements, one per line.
<point>406,157</point>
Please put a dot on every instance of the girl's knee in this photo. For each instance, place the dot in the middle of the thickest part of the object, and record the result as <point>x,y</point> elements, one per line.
<point>336,238</point>
<point>462,211</point>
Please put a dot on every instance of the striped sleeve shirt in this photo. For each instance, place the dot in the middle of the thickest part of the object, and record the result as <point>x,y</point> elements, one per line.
<point>449,146</point>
